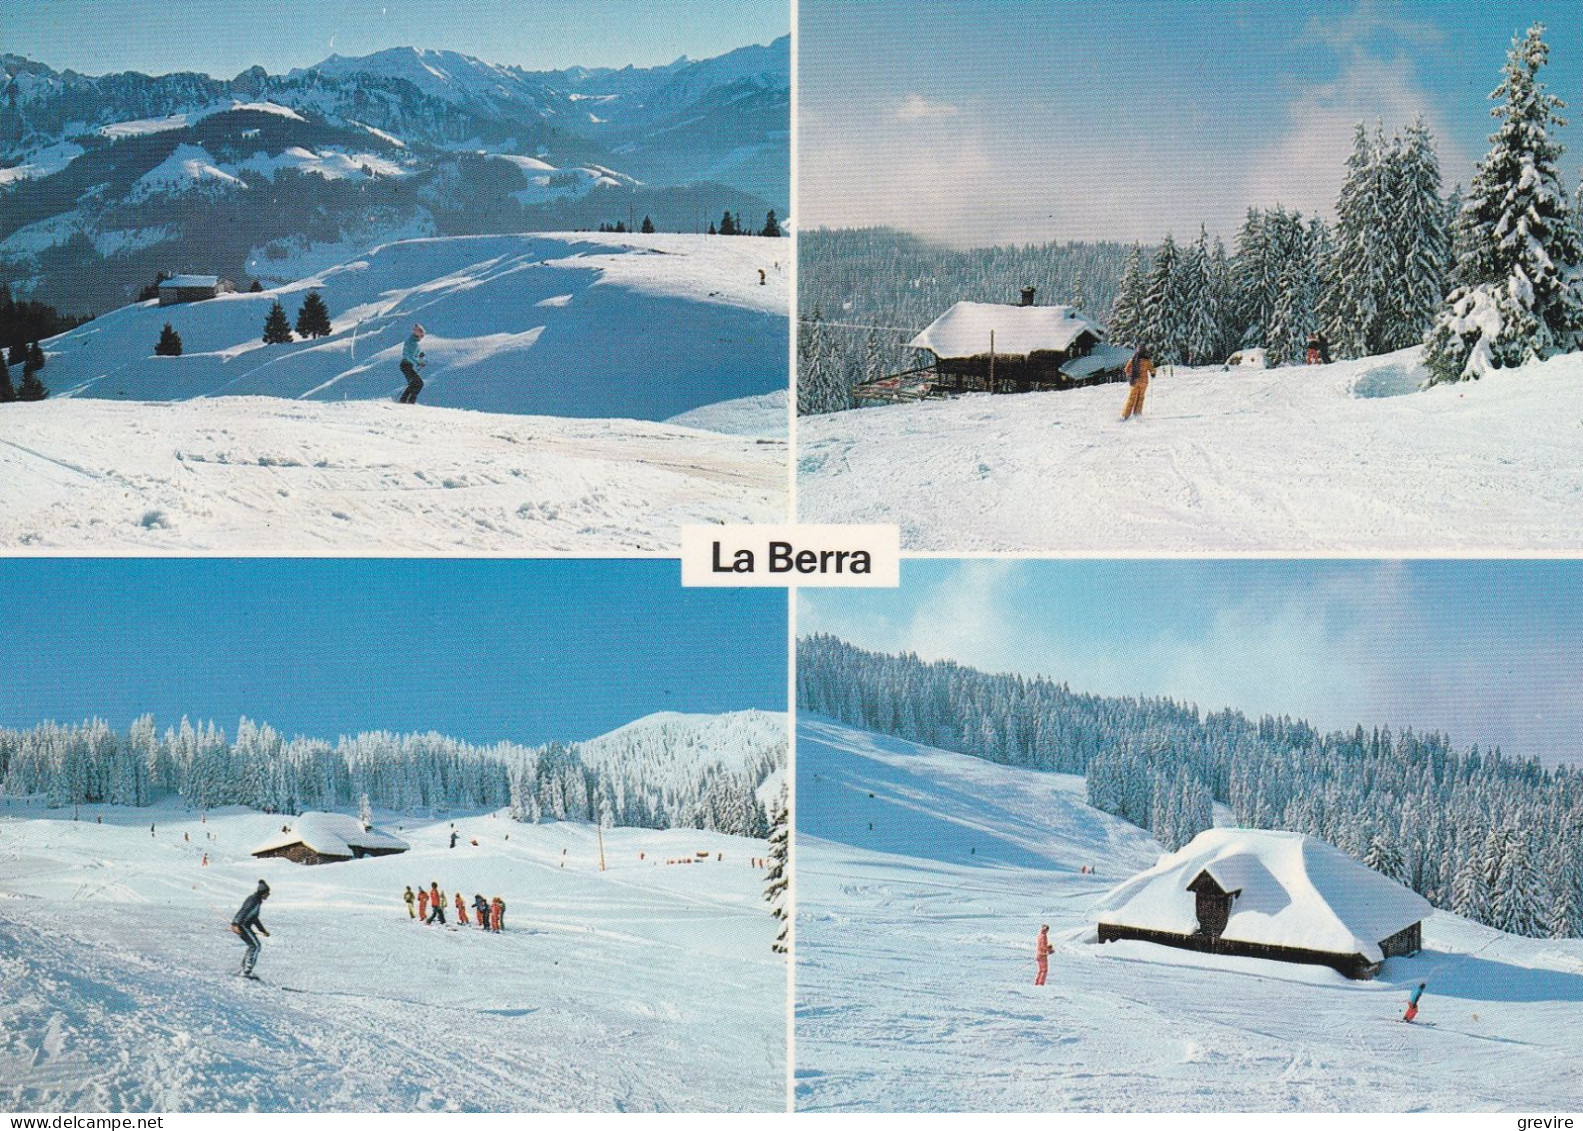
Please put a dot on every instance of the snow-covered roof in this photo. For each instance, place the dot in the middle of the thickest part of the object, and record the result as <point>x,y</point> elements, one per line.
<point>1295,892</point>
<point>963,331</point>
<point>1101,357</point>
<point>331,834</point>
<point>190,281</point>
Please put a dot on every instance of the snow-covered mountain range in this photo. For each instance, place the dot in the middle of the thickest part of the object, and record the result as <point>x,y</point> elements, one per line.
<point>106,180</point>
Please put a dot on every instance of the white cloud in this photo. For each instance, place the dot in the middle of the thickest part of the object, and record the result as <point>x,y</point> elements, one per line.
<point>916,108</point>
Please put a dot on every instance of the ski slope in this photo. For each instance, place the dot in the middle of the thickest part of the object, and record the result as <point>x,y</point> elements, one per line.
<point>583,325</point>
<point>1344,458</point>
<point>645,987</point>
<point>263,475</point>
<point>923,877</point>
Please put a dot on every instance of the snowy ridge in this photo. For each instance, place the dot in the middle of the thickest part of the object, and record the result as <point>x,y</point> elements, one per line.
<point>923,879</point>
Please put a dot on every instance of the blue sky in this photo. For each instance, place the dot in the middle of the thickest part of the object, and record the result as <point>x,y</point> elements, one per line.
<point>1485,651</point>
<point>482,650</point>
<point>225,37</point>
<point>981,122</point>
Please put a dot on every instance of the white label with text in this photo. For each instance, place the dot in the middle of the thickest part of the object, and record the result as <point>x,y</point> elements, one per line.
<point>791,555</point>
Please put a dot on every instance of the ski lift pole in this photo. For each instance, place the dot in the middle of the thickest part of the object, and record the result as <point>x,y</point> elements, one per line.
<point>600,832</point>
<point>992,363</point>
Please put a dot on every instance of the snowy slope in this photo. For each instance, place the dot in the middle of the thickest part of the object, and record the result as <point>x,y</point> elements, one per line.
<point>643,987</point>
<point>923,877</point>
<point>251,475</point>
<point>1344,457</point>
<point>573,325</point>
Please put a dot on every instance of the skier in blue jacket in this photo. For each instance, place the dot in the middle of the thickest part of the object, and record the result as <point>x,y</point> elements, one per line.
<point>245,922</point>
<point>411,362</point>
<point>1412,1002</point>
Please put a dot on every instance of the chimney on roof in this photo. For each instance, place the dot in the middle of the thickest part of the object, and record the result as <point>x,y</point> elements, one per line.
<point>1027,296</point>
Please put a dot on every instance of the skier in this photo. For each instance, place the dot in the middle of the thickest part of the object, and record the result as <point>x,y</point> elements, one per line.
<point>245,922</point>
<point>1138,371</point>
<point>423,905</point>
<point>407,897</point>
<point>453,838</point>
<point>461,909</point>
<point>436,903</point>
<point>481,910</point>
<point>1412,1002</point>
<point>1041,954</point>
<point>497,914</point>
<point>412,361</point>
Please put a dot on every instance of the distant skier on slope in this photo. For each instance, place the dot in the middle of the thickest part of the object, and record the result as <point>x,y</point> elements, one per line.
<point>1139,368</point>
<point>246,922</point>
<point>1041,954</point>
<point>453,838</point>
<point>436,904</point>
<point>1412,1002</point>
<point>407,897</point>
<point>412,360</point>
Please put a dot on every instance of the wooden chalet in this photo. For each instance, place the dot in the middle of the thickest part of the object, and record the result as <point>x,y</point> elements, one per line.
<point>328,838</point>
<point>1264,894</point>
<point>190,288</point>
<point>1005,348</point>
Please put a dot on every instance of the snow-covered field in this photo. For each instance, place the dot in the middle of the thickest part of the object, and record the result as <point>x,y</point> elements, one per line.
<point>648,986</point>
<point>1345,458</point>
<point>263,475</point>
<point>923,877</point>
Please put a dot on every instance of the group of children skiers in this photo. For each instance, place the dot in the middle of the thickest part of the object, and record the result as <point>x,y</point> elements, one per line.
<point>428,905</point>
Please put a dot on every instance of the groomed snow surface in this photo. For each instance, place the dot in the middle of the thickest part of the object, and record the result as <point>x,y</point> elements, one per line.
<point>1347,458</point>
<point>648,986</point>
<point>923,877</point>
<point>571,353</point>
<point>262,475</point>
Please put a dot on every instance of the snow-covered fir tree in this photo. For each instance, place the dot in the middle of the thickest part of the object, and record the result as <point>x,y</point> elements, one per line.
<point>1127,313</point>
<point>779,873</point>
<point>1519,296</point>
<point>1420,241</point>
<point>1164,329</point>
<point>1203,298</point>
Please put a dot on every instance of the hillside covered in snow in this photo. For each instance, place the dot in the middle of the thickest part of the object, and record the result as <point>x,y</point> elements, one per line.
<point>1348,458</point>
<point>923,879</point>
<point>302,441</point>
<point>645,986</point>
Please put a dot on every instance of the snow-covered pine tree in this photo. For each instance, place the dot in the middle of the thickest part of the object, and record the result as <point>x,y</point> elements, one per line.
<point>1201,293</point>
<point>1386,859</point>
<point>775,880</point>
<point>1165,315</point>
<point>1519,297</point>
<point>1521,903</point>
<point>1292,314</point>
<point>1420,238</point>
<point>365,812</point>
<point>1253,282</point>
<point>1127,313</point>
<point>1357,277</point>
